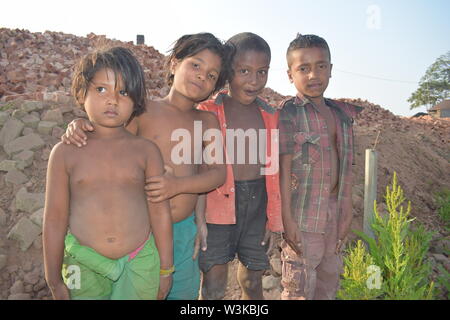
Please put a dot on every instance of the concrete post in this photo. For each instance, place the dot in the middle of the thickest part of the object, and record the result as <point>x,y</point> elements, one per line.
<point>370,190</point>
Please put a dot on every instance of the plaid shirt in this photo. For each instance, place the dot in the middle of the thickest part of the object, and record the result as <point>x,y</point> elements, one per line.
<point>303,133</point>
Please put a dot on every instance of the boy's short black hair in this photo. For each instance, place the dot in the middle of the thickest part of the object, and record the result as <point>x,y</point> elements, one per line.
<point>307,41</point>
<point>122,61</point>
<point>245,41</point>
<point>191,44</point>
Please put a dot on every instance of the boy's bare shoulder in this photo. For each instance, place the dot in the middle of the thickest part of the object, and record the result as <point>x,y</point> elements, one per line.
<point>207,116</point>
<point>144,146</point>
<point>61,149</point>
<point>154,107</point>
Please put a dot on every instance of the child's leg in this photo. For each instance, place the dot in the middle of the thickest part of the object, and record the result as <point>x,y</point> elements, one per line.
<point>140,277</point>
<point>250,282</point>
<point>186,278</point>
<point>214,261</point>
<point>299,275</point>
<point>214,282</point>
<point>329,269</point>
<point>251,204</point>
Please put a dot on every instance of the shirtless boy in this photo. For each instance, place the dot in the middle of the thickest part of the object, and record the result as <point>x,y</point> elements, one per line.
<point>109,252</point>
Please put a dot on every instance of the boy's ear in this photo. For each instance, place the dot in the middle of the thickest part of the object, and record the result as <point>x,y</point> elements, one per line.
<point>173,65</point>
<point>331,69</point>
<point>80,100</point>
<point>289,75</point>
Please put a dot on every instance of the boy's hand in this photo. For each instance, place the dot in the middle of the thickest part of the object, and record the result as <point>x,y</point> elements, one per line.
<point>163,187</point>
<point>292,237</point>
<point>75,132</point>
<point>165,283</point>
<point>200,240</point>
<point>340,245</point>
<point>268,239</point>
<point>60,292</point>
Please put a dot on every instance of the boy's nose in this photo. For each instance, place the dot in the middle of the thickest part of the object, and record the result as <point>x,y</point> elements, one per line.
<point>201,76</point>
<point>314,73</point>
<point>253,78</point>
<point>112,98</point>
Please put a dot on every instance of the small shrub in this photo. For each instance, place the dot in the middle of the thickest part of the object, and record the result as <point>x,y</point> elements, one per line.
<point>398,250</point>
<point>443,201</point>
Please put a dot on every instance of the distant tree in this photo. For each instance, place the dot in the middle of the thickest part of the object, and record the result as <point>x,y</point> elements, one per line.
<point>434,85</point>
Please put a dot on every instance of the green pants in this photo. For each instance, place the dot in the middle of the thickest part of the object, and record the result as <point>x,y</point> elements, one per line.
<point>186,278</point>
<point>91,276</point>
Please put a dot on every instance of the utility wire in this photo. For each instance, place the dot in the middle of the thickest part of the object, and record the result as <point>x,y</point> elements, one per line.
<point>373,77</point>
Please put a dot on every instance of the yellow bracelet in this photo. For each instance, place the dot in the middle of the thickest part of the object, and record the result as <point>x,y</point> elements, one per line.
<point>166,272</point>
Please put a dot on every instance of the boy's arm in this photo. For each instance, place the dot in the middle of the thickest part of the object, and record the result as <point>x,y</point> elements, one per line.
<point>167,186</point>
<point>161,222</point>
<point>214,171</point>
<point>291,230</point>
<point>202,230</point>
<point>56,220</point>
<point>75,132</point>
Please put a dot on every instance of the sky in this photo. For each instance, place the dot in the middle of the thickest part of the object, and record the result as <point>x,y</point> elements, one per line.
<point>379,49</point>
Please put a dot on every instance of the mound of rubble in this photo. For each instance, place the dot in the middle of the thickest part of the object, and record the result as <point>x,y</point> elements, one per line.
<point>35,107</point>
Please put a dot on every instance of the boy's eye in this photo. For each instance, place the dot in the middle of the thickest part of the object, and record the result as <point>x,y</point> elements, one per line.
<point>100,89</point>
<point>304,69</point>
<point>243,71</point>
<point>123,93</point>
<point>195,65</point>
<point>263,72</point>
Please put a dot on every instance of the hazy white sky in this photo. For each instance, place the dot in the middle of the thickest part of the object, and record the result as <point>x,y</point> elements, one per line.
<point>380,49</point>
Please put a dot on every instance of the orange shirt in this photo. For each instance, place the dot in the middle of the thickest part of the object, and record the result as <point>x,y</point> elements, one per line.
<point>220,203</point>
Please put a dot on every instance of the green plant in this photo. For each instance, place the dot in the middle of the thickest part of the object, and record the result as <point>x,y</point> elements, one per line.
<point>443,201</point>
<point>398,249</point>
<point>356,265</point>
<point>444,281</point>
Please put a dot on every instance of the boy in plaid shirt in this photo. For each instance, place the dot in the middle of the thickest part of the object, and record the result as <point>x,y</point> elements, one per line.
<point>316,154</point>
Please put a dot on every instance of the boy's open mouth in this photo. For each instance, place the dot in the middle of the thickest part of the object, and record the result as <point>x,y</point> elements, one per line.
<point>252,92</point>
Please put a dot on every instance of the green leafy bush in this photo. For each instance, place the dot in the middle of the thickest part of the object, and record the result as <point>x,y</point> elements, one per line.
<point>443,201</point>
<point>398,250</point>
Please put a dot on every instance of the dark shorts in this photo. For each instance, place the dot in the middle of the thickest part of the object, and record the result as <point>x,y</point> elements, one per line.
<point>243,238</point>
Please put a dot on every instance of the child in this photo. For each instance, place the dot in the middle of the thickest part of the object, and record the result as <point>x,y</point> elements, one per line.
<point>316,151</point>
<point>238,211</point>
<point>195,71</point>
<point>109,252</point>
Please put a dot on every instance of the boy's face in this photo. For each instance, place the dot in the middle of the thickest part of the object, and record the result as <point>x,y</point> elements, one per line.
<point>250,70</point>
<point>310,71</point>
<point>195,77</point>
<point>106,103</point>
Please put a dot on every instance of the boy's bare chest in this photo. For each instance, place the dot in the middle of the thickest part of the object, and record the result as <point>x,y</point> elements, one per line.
<point>244,118</point>
<point>329,121</point>
<point>174,134</point>
<point>108,167</point>
<point>162,127</point>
